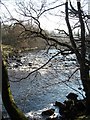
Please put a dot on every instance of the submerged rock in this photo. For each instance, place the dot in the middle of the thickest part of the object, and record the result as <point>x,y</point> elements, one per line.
<point>60,105</point>
<point>72,96</point>
<point>48,112</point>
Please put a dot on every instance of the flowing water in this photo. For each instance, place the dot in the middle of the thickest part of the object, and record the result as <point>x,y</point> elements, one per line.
<point>42,88</point>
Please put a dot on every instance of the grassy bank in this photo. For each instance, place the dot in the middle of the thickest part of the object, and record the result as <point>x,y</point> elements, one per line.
<point>6,49</point>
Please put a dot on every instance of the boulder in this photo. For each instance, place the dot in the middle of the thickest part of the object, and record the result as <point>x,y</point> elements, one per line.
<point>48,112</point>
<point>72,96</point>
<point>60,105</point>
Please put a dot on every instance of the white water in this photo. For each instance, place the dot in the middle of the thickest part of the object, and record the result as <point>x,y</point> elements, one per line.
<point>41,89</point>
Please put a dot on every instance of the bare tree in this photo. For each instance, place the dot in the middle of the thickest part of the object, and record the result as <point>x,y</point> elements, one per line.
<point>68,47</point>
<point>78,48</point>
<point>80,54</point>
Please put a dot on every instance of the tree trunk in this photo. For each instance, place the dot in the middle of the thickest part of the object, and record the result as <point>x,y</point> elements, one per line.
<point>84,67</point>
<point>84,71</point>
<point>14,112</point>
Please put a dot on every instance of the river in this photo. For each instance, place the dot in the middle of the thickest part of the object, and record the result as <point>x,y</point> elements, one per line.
<point>42,88</point>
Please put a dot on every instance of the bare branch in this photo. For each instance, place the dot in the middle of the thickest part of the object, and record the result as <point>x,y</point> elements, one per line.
<point>7,9</point>
<point>50,9</point>
<point>83,47</point>
<point>37,68</point>
<point>71,34</point>
<point>75,90</point>
<point>62,31</point>
<point>73,74</point>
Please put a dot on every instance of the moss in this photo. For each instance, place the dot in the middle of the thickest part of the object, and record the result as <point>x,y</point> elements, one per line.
<point>14,112</point>
<point>7,48</point>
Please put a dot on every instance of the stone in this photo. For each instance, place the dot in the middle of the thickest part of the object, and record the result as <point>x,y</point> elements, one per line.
<point>48,112</point>
<point>60,105</point>
<point>72,96</point>
<point>30,64</point>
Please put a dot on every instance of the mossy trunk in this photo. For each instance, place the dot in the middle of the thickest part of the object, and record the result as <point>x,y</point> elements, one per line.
<point>14,112</point>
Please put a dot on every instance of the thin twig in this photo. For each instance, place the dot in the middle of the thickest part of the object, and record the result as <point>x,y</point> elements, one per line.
<point>74,89</point>
<point>36,69</point>
<point>73,74</point>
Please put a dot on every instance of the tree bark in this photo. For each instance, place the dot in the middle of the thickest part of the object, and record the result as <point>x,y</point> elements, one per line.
<point>84,71</point>
<point>84,67</point>
<point>14,112</point>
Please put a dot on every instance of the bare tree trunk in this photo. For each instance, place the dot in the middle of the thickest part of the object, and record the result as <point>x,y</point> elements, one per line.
<point>84,67</point>
<point>14,112</point>
<point>84,71</point>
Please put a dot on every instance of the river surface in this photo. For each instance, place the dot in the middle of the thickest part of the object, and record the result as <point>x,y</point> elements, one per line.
<point>42,88</point>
